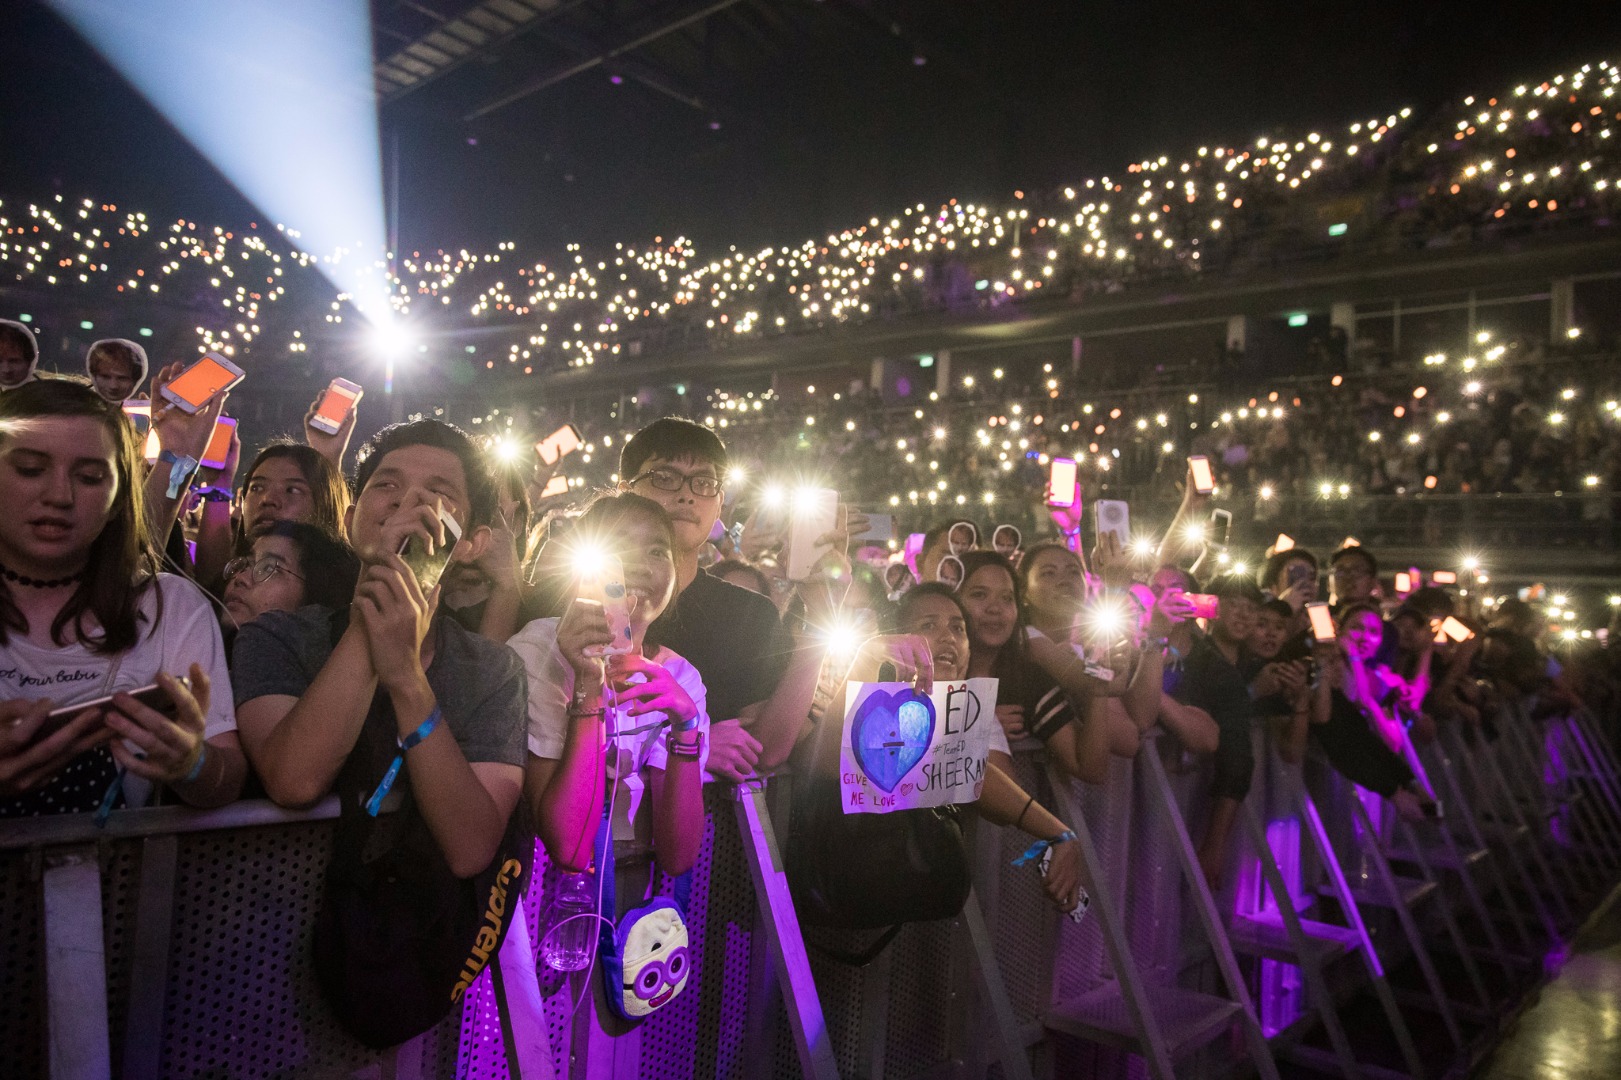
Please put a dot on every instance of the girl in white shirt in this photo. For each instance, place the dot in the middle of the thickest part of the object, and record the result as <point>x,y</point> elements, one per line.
<point>650,707</point>
<point>84,614</point>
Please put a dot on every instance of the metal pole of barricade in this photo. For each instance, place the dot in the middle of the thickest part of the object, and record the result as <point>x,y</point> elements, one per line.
<point>768,871</point>
<point>1150,1037</point>
<point>1370,957</point>
<point>1209,918</point>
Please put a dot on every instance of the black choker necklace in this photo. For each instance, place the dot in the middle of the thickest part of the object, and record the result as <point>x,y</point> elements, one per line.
<point>38,583</point>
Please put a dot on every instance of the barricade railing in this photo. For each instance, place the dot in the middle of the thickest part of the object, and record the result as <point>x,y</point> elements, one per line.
<point>176,942</point>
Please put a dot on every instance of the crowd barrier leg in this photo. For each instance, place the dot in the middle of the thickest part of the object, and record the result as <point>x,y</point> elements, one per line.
<point>154,924</point>
<point>1527,796</point>
<point>1353,915</point>
<point>1209,918</point>
<point>1142,1032</point>
<point>1595,772</point>
<point>1503,809</point>
<point>787,944</point>
<point>1466,955</point>
<point>1597,769</point>
<point>1306,951</point>
<point>1400,903</point>
<point>517,998</point>
<point>1593,840</point>
<point>75,966</point>
<point>1460,814</point>
<point>1015,1065</point>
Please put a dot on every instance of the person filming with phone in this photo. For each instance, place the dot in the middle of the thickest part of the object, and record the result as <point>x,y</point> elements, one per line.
<point>307,688</point>
<point>86,617</point>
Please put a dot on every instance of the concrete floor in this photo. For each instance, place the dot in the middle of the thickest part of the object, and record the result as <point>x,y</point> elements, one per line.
<point>1573,1032</point>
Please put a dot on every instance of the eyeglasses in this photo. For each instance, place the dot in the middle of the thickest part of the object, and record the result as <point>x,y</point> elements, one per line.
<point>263,569</point>
<point>705,487</point>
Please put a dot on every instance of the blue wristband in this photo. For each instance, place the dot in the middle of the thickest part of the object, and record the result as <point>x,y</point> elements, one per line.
<point>374,805</point>
<point>1033,852</point>
<point>197,767</point>
<point>180,469</point>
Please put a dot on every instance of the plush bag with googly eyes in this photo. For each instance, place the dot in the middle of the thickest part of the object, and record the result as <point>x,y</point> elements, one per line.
<point>646,957</point>
<point>651,956</point>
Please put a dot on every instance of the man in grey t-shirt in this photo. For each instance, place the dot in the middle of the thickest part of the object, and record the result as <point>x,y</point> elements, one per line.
<point>456,702</point>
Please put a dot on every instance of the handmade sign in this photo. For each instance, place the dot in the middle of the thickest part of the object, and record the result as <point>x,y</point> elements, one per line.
<point>903,750</point>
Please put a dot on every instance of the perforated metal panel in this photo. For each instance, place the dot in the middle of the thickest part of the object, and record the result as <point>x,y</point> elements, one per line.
<point>242,998</point>
<point>22,972</point>
<point>120,880</point>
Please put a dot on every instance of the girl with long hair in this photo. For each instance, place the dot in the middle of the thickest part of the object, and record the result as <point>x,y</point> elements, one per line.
<point>85,613</point>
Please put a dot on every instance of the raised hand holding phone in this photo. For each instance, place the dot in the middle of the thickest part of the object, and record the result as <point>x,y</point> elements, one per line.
<point>330,421</point>
<point>196,385</point>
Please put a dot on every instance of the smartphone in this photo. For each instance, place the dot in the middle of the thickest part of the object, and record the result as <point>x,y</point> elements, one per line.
<point>140,414</point>
<point>1205,605</point>
<point>1221,528</point>
<point>219,444</point>
<point>557,485</point>
<point>1204,479</point>
<point>605,583</point>
<point>962,537</point>
<point>1455,629</point>
<point>559,444</point>
<point>1444,577</point>
<point>152,696</point>
<point>1063,483</point>
<point>201,383</point>
<point>880,529</point>
<point>1404,583</point>
<point>1322,622</point>
<point>429,568</point>
<point>815,513</point>
<point>337,405</point>
<point>1006,540</point>
<point>1284,542</point>
<point>949,572</point>
<point>1112,516</point>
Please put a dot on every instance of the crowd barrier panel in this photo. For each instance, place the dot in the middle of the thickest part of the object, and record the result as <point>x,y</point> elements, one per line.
<point>1138,1000</point>
<point>177,942</point>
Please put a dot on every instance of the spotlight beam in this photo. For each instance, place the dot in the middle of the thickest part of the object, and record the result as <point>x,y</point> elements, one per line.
<point>278,95</point>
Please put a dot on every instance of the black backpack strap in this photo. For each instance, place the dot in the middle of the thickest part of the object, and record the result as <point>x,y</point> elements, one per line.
<point>864,957</point>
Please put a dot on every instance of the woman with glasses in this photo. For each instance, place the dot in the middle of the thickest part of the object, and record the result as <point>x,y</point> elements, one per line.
<point>292,565</point>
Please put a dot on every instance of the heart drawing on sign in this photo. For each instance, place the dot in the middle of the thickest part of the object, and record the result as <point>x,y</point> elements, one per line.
<point>890,733</point>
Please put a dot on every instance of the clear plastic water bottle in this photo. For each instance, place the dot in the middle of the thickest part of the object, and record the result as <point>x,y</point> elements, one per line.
<point>570,924</point>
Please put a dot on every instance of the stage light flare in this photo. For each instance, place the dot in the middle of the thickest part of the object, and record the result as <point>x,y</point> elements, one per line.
<point>279,97</point>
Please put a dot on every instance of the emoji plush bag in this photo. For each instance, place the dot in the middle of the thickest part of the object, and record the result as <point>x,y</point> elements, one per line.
<point>645,952</point>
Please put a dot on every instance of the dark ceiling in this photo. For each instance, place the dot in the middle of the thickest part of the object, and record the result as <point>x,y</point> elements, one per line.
<point>767,121</point>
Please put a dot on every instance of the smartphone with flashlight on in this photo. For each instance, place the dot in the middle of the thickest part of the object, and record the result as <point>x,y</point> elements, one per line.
<point>1204,478</point>
<point>430,567</point>
<point>338,402</point>
<point>202,382</point>
<point>814,514</point>
<point>602,578</point>
<point>1322,622</point>
<point>559,444</point>
<point>1063,490</point>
